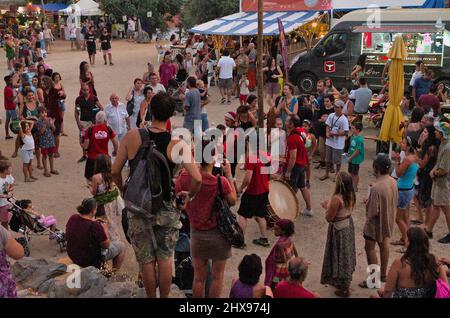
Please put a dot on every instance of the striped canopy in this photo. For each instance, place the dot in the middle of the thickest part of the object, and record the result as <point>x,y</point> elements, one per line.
<point>246,23</point>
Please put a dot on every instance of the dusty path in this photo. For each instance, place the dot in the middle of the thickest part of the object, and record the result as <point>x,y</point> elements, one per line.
<point>59,195</point>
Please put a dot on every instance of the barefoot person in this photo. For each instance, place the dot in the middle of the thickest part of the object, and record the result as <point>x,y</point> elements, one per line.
<point>380,214</point>
<point>339,260</point>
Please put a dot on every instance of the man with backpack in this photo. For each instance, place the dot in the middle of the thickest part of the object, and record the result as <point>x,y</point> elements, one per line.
<point>96,141</point>
<point>153,222</point>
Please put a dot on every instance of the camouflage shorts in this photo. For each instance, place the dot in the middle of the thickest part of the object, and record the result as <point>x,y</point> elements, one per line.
<point>141,240</point>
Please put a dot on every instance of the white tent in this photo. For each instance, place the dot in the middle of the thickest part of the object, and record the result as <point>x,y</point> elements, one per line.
<point>83,7</point>
<point>363,4</point>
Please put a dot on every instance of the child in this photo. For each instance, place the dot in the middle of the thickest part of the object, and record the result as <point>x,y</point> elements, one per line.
<point>280,135</point>
<point>204,100</point>
<point>46,127</point>
<point>27,149</point>
<point>356,153</point>
<point>6,190</point>
<point>244,91</point>
<point>311,147</point>
<point>283,250</point>
<point>46,221</point>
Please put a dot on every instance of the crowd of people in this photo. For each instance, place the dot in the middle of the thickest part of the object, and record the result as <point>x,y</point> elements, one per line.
<point>326,125</point>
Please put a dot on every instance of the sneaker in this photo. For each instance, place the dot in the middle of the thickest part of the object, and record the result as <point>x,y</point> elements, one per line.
<point>445,239</point>
<point>262,241</point>
<point>84,158</point>
<point>307,212</point>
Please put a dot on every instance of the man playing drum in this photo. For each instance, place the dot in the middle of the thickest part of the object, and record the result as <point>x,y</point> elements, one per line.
<point>255,199</point>
<point>297,160</point>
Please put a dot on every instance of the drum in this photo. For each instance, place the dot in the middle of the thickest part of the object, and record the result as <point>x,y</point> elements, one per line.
<point>283,202</point>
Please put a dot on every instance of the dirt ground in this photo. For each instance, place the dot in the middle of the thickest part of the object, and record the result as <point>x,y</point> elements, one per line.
<point>59,195</point>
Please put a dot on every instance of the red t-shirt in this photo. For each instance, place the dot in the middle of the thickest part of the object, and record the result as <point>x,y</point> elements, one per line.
<point>77,236</point>
<point>8,94</point>
<point>99,137</point>
<point>199,210</point>
<point>259,183</point>
<point>295,141</point>
<point>286,289</point>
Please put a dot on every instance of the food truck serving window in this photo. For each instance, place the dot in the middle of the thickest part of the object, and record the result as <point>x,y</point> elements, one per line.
<point>426,46</point>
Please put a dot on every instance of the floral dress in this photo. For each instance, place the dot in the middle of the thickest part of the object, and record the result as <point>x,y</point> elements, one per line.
<point>7,284</point>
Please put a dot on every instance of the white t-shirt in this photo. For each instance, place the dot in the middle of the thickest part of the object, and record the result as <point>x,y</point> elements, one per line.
<point>131,25</point>
<point>158,88</point>
<point>337,124</point>
<point>28,142</point>
<point>415,76</point>
<point>4,186</point>
<point>226,65</point>
<point>244,87</point>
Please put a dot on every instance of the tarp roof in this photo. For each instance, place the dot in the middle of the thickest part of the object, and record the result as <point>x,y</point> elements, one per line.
<point>363,4</point>
<point>246,23</point>
<point>53,7</point>
<point>85,7</point>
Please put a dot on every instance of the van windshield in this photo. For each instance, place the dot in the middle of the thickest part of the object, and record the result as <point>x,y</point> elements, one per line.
<point>428,47</point>
<point>335,43</point>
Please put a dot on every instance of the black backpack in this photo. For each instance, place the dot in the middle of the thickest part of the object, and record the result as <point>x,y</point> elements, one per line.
<point>148,186</point>
<point>226,220</point>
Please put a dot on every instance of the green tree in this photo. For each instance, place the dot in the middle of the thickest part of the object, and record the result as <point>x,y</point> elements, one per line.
<point>195,12</point>
<point>139,8</point>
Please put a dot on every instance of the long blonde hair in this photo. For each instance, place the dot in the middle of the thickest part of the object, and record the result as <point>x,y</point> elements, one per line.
<point>344,187</point>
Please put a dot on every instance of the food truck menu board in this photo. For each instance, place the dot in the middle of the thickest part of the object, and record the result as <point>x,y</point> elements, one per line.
<point>428,47</point>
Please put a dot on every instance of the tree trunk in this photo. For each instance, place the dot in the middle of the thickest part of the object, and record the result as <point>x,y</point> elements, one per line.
<point>259,74</point>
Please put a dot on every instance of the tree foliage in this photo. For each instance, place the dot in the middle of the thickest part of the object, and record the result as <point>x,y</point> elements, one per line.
<point>139,8</point>
<point>199,11</point>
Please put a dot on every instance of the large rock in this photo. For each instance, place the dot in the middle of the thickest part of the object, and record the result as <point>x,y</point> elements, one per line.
<point>32,273</point>
<point>87,283</point>
<point>120,290</point>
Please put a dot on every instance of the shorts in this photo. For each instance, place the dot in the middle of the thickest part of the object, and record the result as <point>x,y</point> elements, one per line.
<point>73,39</point>
<point>49,151</point>
<point>62,105</point>
<point>130,33</point>
<point>11,114</point>
<point>243,98</point>
<point>89,168</point>
<point>5,215</point>
<point>114,249</point>
<point>226,83</point>
<point>298,178</point>
<point>38,44</point>
<point>26,156</point>
<point>108,51</point>
<point>141,240</point>
<point>353,169</point>
<point>404,198</point>
<point>254,205</point>
<point>273,88</point>
<point>334,156</point>
<point>92,50</point>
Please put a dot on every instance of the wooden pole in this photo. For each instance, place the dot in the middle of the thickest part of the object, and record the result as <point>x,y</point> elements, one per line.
<point>259,74</point>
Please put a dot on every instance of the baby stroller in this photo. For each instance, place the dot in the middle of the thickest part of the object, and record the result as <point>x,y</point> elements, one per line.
<point>28,225</point>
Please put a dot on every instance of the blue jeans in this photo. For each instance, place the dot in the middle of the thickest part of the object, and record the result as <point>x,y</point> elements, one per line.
<point>205,122</point>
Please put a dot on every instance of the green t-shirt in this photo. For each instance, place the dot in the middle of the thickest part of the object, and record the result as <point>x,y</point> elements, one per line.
<point>357,143</point>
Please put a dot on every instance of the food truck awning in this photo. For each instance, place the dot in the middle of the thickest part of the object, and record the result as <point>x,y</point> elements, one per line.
<point>246,23</point>
<point>363,4</point>
<point>397,28</point>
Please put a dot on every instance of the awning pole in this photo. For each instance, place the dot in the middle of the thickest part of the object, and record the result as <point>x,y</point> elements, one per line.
<point>259,73</point>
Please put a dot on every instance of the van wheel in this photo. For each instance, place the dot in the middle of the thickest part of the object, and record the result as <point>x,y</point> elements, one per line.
<point>307,83</point>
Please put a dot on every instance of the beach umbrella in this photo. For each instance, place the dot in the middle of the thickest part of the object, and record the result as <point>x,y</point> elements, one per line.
<point>390,129</point>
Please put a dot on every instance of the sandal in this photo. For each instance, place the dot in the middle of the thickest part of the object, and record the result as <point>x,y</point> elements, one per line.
<point>46,174</point>
<point>40,167</point>
<point>64,134</point>
<point>55,172</point>
<point>323,178</point>
<point>398,243</point>
<point>342,293</point>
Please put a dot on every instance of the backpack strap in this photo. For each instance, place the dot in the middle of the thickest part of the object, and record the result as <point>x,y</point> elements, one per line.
<point>219,184</point>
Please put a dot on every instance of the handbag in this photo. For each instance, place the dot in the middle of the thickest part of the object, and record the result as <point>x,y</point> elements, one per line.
<point>130,106</point>
<point>226,220</point>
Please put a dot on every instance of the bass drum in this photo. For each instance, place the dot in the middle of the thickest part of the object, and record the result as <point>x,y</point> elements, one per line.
<point>283,202</point>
